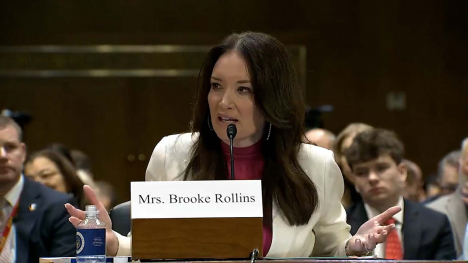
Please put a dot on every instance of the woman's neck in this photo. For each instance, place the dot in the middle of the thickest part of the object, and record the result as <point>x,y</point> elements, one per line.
<point>254,149</point>
<point>242,143</point>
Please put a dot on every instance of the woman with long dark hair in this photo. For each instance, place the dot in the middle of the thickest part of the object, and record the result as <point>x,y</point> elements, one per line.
<point>249,81</point>
<point>50,168</point>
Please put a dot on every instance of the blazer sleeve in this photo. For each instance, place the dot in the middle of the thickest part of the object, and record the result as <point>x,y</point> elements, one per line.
<point>331,230</point>
<point>125,245</point>
<point>63,239</point>
<point>446,248</point>
<point>156,170</point>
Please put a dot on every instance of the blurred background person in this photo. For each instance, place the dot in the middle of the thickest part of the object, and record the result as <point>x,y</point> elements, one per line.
<point>79,160</point>
<point>414,184</point>
<point>63,150</point>
<point>106,194</point>
<point>455,205</point>
<point>50,168</point>
<point>343,141</point>
<point>432,187</point>
<point>448,173</point>
<point>445,182</point>
<point>83,167</point>
<point>321,137</point>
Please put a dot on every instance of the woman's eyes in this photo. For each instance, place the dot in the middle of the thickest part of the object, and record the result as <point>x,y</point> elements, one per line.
<point>244,89</point>
<point>215,85</point>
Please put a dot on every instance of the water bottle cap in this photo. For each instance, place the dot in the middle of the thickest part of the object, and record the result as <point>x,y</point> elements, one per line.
<point>91,210</point>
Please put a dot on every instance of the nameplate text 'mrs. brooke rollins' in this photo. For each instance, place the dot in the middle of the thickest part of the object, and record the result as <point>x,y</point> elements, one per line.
<point>196,199</point>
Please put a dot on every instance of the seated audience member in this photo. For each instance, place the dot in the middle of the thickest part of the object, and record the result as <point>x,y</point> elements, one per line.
<point>414,184</point>
<point>432,187</point>
<point>321,137</point>
<point>78,159</point>
<point>446,179</point>
<point>40,222</point>
<point>83,166</point>
<point>448,173</point>
<point>375,158</point>
<point>51,169</point>
<point>455,205</point>
<point>106,194</point>
<point>63,150</point>
<point>343,141</point>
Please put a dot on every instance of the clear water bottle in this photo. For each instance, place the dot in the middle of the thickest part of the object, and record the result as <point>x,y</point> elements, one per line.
<point>91,238</point>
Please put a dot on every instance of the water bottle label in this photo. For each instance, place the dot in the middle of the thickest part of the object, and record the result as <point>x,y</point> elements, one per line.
<point>90,242</point>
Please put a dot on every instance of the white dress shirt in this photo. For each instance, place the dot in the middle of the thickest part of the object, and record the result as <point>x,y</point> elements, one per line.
<point>379,250</point>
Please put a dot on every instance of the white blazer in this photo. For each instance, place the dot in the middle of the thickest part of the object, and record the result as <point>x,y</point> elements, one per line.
<point>325,234</point>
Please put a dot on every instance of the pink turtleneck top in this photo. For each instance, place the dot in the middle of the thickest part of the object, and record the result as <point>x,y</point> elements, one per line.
<point>248,165</point>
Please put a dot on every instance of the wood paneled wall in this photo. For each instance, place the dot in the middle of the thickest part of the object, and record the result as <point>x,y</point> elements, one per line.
<point>357,52</point>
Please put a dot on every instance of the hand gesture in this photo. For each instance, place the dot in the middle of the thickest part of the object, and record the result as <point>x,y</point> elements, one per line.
<point>371,233</point>
<point>77,215</point>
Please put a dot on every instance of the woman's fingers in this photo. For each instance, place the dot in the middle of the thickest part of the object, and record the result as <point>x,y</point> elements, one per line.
<point>75,221</point>
<point>92,197</point>
<point>74,212</point>
<point>372,241</point>
<point>385,216</point>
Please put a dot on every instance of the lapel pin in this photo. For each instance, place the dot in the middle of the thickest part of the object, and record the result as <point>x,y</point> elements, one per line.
<point>32,207</point>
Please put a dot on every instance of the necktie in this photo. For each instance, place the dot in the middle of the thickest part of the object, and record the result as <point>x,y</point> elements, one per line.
<point>6,255</point>
<point>393,248</point>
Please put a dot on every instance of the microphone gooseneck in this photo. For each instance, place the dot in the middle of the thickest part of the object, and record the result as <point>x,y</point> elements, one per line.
<point>231,133</point>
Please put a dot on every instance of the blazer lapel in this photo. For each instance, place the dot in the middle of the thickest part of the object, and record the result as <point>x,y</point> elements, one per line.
<point>411,231</point>
<point>25,219</point>
<point>357,217</point>
<point>456,210</point>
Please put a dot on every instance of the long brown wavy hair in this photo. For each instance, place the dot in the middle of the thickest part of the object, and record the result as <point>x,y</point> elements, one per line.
<point>279,98</point>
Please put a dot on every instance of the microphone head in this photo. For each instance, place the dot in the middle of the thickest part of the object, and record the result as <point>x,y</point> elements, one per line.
<point>231,131</point>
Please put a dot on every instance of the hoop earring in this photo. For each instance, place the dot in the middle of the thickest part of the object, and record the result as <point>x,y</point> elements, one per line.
<point>209,123</point>
<point>269,133</point>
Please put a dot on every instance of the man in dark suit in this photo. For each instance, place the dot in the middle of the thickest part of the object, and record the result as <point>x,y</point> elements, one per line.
<point>33,219</point>
<point>375,158</point>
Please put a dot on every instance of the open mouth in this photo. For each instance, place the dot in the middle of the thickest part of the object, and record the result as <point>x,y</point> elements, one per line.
<point>227,120</point>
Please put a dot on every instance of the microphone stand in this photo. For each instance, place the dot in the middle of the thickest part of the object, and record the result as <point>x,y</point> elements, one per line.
<point>231,133</point>
<point>232,157</point>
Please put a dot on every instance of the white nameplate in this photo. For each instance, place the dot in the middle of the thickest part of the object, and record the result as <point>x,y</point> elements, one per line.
<point>196,199</point>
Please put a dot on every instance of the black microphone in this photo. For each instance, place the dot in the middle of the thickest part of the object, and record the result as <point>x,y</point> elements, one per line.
<point>231,133</point>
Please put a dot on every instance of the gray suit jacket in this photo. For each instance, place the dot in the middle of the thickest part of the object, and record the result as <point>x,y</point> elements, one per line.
<point>453,206</point>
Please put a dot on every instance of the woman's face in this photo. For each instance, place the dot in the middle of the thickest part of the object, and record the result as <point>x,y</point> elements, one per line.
<point>231,100</point>
<point>45,171</point>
